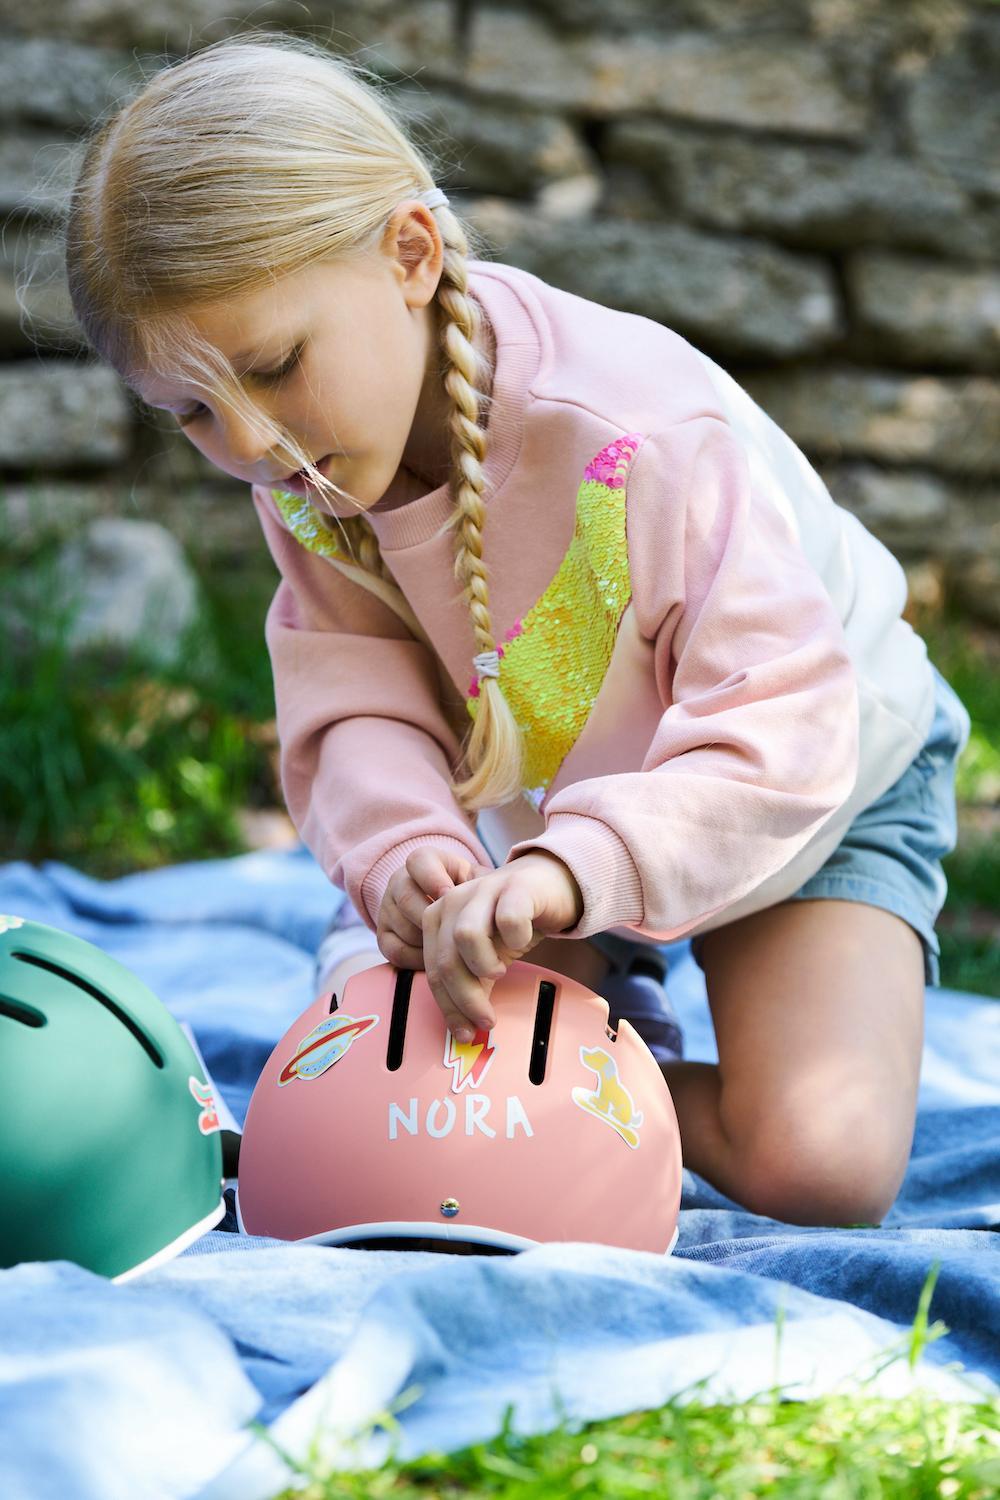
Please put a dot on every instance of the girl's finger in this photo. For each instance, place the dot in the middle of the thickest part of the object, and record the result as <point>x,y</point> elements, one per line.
<point>399,921</point>
<point>463,998</point>
<point>461,1026</point>
<point>414,901</point>
<point>427,869</point>
<point>392,920</point>
<point>513,920</point>
<point>464,1018</point>
<point>401,955</point>
<point>472,937</point>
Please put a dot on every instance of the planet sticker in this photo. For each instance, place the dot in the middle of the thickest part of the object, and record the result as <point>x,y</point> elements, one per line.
<point>325,1045</point>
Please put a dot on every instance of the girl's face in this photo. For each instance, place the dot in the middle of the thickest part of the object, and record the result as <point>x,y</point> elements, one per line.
<point>345,356</point>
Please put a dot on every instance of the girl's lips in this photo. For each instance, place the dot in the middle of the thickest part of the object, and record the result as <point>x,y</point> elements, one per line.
<point>298,484</point>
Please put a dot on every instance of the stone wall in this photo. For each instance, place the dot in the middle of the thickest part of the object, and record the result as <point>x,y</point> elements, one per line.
<point>809,190</point>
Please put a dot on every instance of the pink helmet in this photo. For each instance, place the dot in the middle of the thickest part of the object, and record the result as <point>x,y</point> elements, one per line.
<point>370,1122</point>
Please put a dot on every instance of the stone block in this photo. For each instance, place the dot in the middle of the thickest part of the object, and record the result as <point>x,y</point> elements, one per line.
<point>912,505</point>
<point>397,39</point>
<point>925,312</point>
<point>167,458</point>
<point>944,423</point>
<point>744,81</point>
<point>35,308</point>
<point>483,147</point>
<point>37,172</point>
<point>806,193</point>
<point>215,523</point>
<point>129,588</point>
<point>945,528</point>
<point>36,512</point>
<point>575,16</point>
<point>51,81</point>
<point>952,107</point>
<point>385,34</point>
<point>163,26</point>
<point>740,295</point>
<point>62,415</point>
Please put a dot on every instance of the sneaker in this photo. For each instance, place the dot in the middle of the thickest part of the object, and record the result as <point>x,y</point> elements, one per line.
<point>639,999</point>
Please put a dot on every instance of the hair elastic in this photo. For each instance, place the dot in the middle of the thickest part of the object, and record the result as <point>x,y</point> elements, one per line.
<point>434,198</point>
<point>487,664</point>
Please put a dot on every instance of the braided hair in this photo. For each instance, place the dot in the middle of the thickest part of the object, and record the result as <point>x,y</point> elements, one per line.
<point>158,222</point>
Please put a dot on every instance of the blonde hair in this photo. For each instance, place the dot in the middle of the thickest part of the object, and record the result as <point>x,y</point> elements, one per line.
<point>248,161</point>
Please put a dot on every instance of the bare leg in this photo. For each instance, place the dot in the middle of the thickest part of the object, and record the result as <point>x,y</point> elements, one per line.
<point>574,957</point>
<point>354,963</point>
<point>818,1015</point>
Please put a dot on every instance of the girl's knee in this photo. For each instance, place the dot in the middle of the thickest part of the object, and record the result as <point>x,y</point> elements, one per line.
<point>801,1173</point>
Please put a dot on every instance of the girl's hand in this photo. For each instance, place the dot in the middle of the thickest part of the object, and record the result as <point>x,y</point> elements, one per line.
<point>473,932</point>
<point>427,874</point>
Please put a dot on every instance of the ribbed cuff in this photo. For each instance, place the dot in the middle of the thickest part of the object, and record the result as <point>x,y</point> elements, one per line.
<point>378,877</point>
<point>602,867</point>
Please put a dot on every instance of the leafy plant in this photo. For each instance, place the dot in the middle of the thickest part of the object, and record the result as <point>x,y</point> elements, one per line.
<point>114,764</point>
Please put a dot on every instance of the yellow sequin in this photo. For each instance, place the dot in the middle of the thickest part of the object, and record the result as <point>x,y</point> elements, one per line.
<point>304,524</point>
<point>555,659</point>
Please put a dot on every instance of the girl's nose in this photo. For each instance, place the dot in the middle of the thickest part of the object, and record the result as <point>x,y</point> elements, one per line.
<point>247,443</point>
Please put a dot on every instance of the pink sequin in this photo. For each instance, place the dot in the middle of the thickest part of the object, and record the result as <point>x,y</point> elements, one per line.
<point>610,466</point>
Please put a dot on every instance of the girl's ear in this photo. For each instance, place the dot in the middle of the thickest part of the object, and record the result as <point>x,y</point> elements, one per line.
<point>412,241</point>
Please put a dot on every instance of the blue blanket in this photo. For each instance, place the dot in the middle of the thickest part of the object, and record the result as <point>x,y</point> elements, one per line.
<point>111,1391</point>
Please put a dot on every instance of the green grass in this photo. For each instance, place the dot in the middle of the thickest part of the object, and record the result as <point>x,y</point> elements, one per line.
<point>847,1446</point>
<point>115,765</point>
<point>839,1448</point>
<point>969,927</point>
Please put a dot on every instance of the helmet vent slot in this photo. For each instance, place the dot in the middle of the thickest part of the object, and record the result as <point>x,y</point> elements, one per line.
<point>95,994</point>
<point>397,1025</point>
<point>543,1026</point>
<point>26,1014</point>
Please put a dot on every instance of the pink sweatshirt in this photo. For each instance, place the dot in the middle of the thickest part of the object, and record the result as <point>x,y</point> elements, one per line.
<point>704,652</point>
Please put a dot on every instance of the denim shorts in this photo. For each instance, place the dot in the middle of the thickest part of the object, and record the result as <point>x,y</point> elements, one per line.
<point>890,855</point>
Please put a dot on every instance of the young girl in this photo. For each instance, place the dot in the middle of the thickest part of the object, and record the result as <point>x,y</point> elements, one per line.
<point>573,652</point>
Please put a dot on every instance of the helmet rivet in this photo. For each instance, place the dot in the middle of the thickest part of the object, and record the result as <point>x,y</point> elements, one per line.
<point>449,1207</point>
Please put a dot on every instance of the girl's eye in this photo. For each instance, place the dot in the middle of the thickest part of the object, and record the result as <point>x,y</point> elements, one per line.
<point>290,363</point>
<point>270,377</point>
<point>183,418</point>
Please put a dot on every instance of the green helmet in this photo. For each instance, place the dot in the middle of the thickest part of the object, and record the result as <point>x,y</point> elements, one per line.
<point>110,1149</point>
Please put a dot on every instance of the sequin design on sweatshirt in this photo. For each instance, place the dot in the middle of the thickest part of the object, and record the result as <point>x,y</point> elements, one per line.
<point>554,660</point>
<point>306,526</point>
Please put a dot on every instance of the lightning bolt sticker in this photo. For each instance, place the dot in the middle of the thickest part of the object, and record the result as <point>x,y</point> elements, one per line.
<point>470,1060</point>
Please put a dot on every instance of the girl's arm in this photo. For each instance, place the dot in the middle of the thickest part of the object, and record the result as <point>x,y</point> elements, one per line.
<point>366,748</point>
<point>756,746</point>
